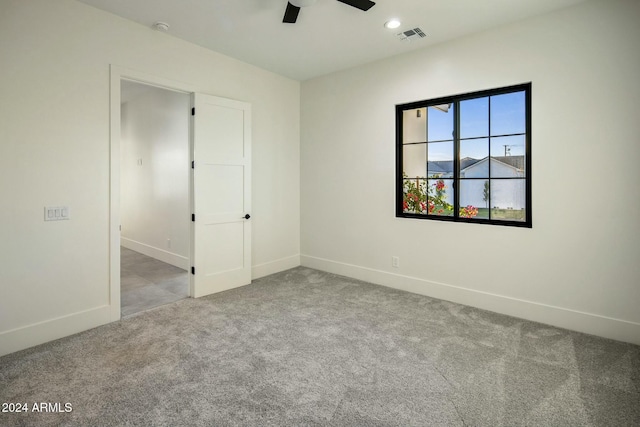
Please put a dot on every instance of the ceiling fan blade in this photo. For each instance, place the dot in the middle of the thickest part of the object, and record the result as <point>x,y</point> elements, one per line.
<point>360,4</point>
<point>291,14</point>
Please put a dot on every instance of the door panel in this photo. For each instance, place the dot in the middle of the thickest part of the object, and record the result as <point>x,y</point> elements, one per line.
<point>224,198</point>
<point>221,194</point>
<point>227,124</point>
<point>227,257</point>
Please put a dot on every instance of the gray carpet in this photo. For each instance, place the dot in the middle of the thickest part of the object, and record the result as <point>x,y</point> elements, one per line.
<point>307,348</point>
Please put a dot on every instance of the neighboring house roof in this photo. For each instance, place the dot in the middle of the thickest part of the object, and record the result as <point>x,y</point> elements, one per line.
<point>513,161</point>
<point>468,161</point>
<point>440,166</point>
<point>446,166</point>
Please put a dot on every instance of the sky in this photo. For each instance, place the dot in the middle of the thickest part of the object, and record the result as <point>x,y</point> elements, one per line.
<point>507,117</point>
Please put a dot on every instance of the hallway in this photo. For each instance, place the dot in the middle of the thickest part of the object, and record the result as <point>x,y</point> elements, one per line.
<point>146,282</point>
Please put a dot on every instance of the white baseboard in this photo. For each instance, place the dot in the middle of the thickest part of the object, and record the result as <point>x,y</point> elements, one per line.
<point>594,324</point>
<point>271,267</point>
<point>159,254</point>
<point>49,330</point>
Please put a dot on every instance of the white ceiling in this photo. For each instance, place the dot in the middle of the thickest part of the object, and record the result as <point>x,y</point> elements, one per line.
<point>329,35</point>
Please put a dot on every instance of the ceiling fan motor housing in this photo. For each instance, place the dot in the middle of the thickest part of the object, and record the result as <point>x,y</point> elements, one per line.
<point>302,3</point>
<point>293,7</point>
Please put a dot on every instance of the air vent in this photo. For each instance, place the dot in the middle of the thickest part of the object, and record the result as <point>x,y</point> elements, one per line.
<point>411,35</point>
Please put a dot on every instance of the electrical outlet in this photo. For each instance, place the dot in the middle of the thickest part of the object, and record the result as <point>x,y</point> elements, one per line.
<point>168,243</point>
<point>395,262</point>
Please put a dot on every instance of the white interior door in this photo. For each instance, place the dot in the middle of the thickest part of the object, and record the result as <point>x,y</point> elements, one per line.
<point>221,194</point>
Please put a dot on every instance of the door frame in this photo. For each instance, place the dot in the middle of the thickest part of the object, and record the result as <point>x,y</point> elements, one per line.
<point>117,74</point>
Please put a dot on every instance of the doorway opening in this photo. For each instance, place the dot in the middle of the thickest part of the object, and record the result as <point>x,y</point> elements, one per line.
<point>154,196</point>
<point>218,151</point>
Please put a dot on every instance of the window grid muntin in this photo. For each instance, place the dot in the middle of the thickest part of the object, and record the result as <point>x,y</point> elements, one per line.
<point>455,101</point>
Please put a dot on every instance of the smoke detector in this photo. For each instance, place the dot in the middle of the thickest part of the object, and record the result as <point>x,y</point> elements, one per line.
<point>411,35</point>
<point>161,26</point>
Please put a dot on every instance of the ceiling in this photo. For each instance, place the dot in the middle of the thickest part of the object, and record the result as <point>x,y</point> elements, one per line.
<point>329,36</point>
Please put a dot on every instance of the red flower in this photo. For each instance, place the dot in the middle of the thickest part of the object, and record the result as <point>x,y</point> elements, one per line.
<point>440,185</point>
<point>468,212</point>
<point>405,205</point>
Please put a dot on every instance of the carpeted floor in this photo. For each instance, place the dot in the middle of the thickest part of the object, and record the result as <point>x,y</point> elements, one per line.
<point>307,348</point>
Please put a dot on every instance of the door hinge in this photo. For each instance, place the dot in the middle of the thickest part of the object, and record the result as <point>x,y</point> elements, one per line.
<point>193,270</point>
<point>193,217</point>
<point>193,111</point>
<point>193,164</point>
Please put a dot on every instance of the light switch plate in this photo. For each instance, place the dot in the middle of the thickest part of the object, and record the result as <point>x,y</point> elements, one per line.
<point>56,213</point>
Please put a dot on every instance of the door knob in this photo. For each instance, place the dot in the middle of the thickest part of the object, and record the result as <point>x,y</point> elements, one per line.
<point>247,216</point>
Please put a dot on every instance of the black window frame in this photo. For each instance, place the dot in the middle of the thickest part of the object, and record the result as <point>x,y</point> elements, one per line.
<point>455,100</point>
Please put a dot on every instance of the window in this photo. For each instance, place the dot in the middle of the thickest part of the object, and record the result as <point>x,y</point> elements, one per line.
<point>466,158</point>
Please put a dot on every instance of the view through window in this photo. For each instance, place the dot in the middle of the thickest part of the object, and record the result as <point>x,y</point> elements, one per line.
<point>466,157</point>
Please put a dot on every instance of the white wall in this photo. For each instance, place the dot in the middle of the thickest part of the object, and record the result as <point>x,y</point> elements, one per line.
<point>578,267</point>
<point>154,170</point>
<point>54,150</point>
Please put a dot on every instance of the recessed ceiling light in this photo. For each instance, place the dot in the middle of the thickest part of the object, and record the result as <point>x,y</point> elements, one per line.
<point>392,23</point>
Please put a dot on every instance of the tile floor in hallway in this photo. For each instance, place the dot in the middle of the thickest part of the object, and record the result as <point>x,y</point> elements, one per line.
<point>146,282</point>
